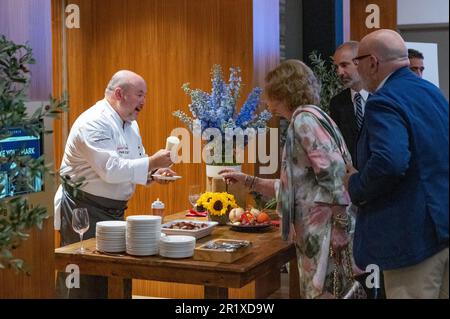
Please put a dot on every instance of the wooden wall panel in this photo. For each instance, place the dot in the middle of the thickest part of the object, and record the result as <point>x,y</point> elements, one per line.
<point>169,43</point>
<point>37,251</point>
<point>29,21</point>
<point>358,14</point>
<point>266,55</point>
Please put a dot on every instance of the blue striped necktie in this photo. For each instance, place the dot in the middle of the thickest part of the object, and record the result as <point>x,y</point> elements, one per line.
<point>359,110</point>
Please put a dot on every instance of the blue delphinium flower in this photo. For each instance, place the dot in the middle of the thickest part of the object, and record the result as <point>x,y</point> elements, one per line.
<point>247,112</point>
<point>218,109</point>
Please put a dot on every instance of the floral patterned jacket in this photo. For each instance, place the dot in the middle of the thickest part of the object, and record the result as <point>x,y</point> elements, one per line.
<point>311,189</point>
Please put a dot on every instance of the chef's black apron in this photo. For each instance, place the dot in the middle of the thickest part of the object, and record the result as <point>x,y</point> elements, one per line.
<point>100,209</point>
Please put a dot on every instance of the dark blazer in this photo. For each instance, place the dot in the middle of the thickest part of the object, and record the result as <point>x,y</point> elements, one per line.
<point>402,185</point>
<point>342,112</point>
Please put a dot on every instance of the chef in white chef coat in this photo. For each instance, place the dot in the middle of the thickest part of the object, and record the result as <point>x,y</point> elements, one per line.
<point>105,149</point>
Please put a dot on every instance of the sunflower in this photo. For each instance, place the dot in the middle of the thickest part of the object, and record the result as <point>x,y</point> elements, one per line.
<point>203,202</point>
<point>231,200</point>
<point>217,204</point>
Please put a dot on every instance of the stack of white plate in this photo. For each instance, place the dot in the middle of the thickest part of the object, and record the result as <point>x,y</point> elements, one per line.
<point>177,246</point>
<point>143,235</point>
<point>110,236</point>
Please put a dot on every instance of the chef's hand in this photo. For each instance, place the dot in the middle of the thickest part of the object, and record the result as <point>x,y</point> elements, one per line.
<point>160,159</point>
<point>350,170</point>
<point>164,172</point>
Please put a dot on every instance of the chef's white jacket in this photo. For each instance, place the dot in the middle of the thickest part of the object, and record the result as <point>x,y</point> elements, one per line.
<point>107,152</point>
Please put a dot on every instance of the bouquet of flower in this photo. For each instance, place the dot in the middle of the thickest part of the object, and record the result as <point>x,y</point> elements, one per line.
<point>216,204</point>
<point>218,109</point>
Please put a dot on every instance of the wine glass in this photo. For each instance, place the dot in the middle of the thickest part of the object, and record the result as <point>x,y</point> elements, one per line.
<point>80,224</point>
<point>194,194</point>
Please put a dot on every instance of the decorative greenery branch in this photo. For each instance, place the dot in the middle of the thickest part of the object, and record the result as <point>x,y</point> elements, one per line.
<point>17,215</point>
<point>329,80</point>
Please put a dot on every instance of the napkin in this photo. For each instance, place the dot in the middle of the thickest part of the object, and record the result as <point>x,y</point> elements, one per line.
<point>194,213</point>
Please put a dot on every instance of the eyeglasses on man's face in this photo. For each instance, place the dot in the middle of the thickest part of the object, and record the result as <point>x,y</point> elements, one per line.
<point>360,57</point>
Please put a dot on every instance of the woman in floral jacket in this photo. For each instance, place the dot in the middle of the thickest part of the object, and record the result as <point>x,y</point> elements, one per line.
<point>310,193</point>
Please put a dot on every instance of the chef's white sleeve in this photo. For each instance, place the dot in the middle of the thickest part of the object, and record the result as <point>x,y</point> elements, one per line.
<point>99,149</point>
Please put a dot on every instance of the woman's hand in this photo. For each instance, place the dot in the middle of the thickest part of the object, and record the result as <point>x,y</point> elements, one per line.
<point>230,176</point>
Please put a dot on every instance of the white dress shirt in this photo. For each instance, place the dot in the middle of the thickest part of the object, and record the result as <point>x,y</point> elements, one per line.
<point>364,96</point>
<point>382,83</point>
<point>107,152</point>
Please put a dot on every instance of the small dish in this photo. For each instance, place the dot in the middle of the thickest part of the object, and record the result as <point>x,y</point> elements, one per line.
<point>197,233</point>
<point>250,228</point>
<point>166,178</point>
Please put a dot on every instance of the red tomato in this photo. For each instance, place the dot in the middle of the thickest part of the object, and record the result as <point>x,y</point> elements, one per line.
<point>247,218</point>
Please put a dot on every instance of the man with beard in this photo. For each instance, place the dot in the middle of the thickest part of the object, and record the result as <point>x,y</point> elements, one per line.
<point>347,108</point>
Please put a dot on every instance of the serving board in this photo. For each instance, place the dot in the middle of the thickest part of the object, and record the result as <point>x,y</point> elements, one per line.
<point>222,256</point>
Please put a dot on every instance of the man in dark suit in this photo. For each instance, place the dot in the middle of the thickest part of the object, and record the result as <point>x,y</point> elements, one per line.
<point>401,188</point>
<point>347,111</point>
<point>347,108</point>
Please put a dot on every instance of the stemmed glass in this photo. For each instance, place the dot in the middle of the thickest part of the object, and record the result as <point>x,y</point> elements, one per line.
<point>80,224</point>
<point>194,194</point>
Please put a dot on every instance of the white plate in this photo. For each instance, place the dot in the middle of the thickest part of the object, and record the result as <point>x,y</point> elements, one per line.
<point>109,234</point>
<point>111,245</point>
<point>142,229</point>
<point>113,250</point>
<point>111,224</point>
<point>186,254</point>
<point>142,247</point>
<point>143,218</point>
<point>110,238</point>
<point>167,252</point>
<point>111,242</point>
<point>142,252</point>
<point>178,239</point>
<point>166,178</point>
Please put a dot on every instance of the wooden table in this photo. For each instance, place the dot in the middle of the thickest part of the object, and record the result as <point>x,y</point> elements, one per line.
<point>269,253</point>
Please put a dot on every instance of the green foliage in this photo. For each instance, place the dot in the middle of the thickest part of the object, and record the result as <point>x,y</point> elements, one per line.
<point>271,204</point>
<point>329,80</point>
<point>17,216</point>
<point>263,202</point>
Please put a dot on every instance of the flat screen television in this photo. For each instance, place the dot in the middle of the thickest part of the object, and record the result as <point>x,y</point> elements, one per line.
<point>19,142</point>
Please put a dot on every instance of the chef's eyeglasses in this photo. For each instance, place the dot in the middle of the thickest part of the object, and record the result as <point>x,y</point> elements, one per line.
<point>360,57</point>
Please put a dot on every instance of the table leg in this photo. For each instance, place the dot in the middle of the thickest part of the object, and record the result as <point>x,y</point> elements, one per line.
<point>119,288</point>
<point>294,283</point>
<point>212,292</point>
<point>267,284</point>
